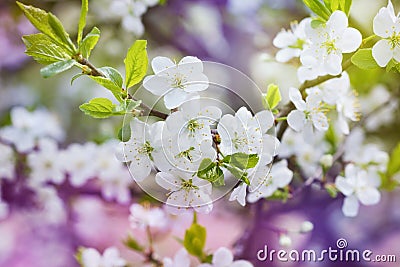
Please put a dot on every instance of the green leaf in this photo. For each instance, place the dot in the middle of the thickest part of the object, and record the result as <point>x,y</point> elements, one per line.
<point>318,8</point>
<point>242,160</point>
<point>82,20</point>
<point>76,77</point>
<point>99,108</point>
<point>112,81</point>
<point>127,106</point>
<point>89,42</point>
<point>49,25</point>
<point>331,190</point>
<point>195,240</point>
<point>364,60</point>
<point>57,67</point>
<point>238,173</point>
<point>124,134</point>
<point>42,49</point>
<point>393,166</point>
<point>346,6</point>
<point>272,97</point>
<point>210,171</point>
<point>316,22</point>
<point>133,244</point>
<point>136,62</point>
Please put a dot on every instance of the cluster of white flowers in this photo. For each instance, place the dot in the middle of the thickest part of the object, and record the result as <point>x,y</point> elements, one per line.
<point>221,258</point>
<point>361,178</point>
<point>90,257</point>
<point>27,127</point>
<point>131,12</point>
<point>310,115</point>
<point>320,47</point>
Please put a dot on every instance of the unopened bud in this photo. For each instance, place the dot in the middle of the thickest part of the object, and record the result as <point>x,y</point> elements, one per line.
<point>326,160</point>
<point>306,227</point>
<point>285,240</point>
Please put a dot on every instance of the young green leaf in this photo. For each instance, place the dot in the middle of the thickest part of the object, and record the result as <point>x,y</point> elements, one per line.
<point>364,60</point>
<point>272,98</point>
<point>49,25</point>
<point>242,160</point>
<point>195,240</point>
<point>124,134</point>
<point>113,75</point>
<point>98,108</point>
<point>82,20</point>
<point>133,244</point>
<point>57,67</point>
<point>318,8</point>
<point>42,49</point>
<point>393,166</point>
<point>136,62</point>
<point>110,85</point>
<point>210,171</point>
<point>238,173</point>
<point>89,42</point>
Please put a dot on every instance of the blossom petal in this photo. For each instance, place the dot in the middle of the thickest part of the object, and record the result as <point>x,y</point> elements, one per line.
<point>265,119</point>
<point>284,39</point>
<point>168,181</point>
<point>349,41</point>
<point>382,52</point>
<point>175,98</point>
<point>140,167</point>
<point>296,120</point>
<point>343,186</point>
<point>333,64</point>
<point>338,21</point>
<point>350,206</point>
<point>384,21</point>
<point>239,194</point>
<point>369,196</point>
<point>157,85</point>
<point>197,82</point>
<point>286,54</point>
<point>160,64</point>
<point>296,98</point>
<point>190,64</point>
<point>222,257</point>
<point>320,121</point>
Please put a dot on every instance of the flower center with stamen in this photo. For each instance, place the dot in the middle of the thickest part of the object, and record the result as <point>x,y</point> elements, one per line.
<point>188,185</point>
<point>186,154</point>
<point>239,141</point>
<point>394,41</point>
<point>146,149</point>
<point>329,46</point>
<point>194,125</point>
<point>179,81</point>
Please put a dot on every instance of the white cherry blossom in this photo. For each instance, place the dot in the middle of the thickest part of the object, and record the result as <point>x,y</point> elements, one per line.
<point>358,186</point>
<point>268,181</point>
<point>291,42</point>
<point>248,134</point>
<point>223,257</point>
<point>186,192</point>
<point>78,162</point>
<point>177,83</point>
<point>308,115</point>
<point>145,141</point>
<point>142,217</point>
<point>327,44</point>
<point>6,162</point>
<point>192,123</point>
<point>181,259</point>
<point>45,164</point>
<point>92,258</point>
<point>27,127</point>
<point>387,26</point>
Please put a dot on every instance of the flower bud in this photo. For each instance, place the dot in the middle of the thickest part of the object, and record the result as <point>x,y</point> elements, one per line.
<point>326,160</point>
<point>285,240</point>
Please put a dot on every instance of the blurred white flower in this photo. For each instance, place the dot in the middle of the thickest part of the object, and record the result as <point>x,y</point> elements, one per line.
<point>387,25</point>
<point>306,227</point>
<point>248,134</point>
<point>6,162</point>
<point>78,162</point>
<point>131,11</point>
<point>267,182</point>
<point>4,209</point>
<point>177,83</point>
<point>285,240</point>
<point>327,43</point>
<point>141,148</point>
<point>181,259</point>
<point>142,217</point>
<point>291,42</point>
<point>186,192</point>
<point>92,258</point>
<point>53,210</point>
<point>223,257</point>
<point>357,186</point>
<point>308,114</point>
<point>27,127</point>
<point>45,164</point>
